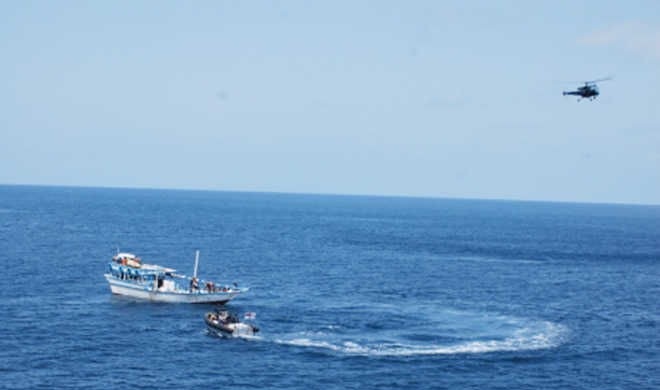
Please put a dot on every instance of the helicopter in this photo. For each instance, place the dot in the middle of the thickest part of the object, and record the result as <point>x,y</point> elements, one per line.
<point>588,91</point>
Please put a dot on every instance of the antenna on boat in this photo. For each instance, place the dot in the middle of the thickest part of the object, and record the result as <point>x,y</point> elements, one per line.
<point>196,263</point>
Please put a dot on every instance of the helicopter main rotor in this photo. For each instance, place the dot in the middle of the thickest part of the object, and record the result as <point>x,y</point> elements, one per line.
<point>597,81</point>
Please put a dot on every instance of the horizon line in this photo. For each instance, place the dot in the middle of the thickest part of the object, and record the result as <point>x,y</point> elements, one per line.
<point>403,196</point>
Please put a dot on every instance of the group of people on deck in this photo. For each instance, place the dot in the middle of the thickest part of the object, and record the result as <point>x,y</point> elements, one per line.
<point>209,287</point>
<point>125,273</point>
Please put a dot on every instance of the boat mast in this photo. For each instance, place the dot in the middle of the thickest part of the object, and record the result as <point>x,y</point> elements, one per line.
<point>196,263</point>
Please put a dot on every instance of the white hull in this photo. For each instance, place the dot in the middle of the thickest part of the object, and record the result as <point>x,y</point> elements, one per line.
<point>147,292</point>
<point>240,331</point>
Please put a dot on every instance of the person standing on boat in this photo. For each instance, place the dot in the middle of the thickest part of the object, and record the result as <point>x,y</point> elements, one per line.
<point>194,286</point>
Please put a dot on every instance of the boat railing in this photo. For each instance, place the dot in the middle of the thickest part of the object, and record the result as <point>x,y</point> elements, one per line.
<point>132,274</point>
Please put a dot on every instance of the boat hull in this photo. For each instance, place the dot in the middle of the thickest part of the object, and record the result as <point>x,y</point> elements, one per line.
<point>146,292</point>
<point>233,329</point>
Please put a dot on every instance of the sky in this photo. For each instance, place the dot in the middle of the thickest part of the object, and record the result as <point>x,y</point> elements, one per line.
<point>459,99</point>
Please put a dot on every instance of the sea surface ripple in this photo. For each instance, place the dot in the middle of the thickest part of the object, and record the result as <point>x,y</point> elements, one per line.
<point>350,292</point>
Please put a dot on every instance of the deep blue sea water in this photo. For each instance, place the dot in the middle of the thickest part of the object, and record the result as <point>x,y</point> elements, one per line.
<point>350,292</point>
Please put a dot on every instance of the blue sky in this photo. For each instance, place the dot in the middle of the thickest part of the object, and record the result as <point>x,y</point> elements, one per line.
<point>439,98</point>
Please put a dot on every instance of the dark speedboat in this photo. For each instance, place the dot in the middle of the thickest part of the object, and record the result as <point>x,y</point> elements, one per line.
<point>224,323</point>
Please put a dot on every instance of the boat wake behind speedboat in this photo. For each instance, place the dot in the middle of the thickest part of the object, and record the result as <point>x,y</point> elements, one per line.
<point>224,323</point>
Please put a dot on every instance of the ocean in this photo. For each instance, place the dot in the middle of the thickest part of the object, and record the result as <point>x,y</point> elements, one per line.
<point>350,292</point>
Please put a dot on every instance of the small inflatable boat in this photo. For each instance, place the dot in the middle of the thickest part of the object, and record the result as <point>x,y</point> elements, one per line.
<point>224,323</point>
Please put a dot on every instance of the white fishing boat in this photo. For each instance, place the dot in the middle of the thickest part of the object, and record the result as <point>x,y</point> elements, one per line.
<point>129,276</point>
